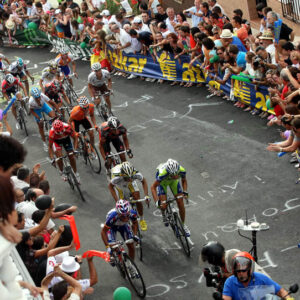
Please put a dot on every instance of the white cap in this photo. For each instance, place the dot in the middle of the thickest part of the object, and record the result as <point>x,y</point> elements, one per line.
<point>57,11</point>
<point>105,12</point>
<point>137,20</point>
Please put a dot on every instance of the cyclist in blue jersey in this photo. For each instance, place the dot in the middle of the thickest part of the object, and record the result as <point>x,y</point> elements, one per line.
<point>118,219</point>
<point>169,174</point>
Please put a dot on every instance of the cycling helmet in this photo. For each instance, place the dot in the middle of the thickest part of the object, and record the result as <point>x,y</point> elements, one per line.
<point>127,169</point>
<point>10,78</point>
<point>64,51</point>
<point>20,62</point>
<point>213,252</point>
<point>172,166</point>
<point>243,261</point>
<point>113,122</point>
<point>83,102</point>
<point>58,126</point>
<point>35,92</point>
<point>123,207</point>
<point>96,66</point>
<point>53,65</point>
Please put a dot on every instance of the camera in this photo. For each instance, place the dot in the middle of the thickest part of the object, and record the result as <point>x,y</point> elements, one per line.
<point>257,62</point>
<point>213,277</point>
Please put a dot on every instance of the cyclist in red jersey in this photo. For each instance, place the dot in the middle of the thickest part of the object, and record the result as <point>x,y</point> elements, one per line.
<point>111,131</point>
<point>59,135</point>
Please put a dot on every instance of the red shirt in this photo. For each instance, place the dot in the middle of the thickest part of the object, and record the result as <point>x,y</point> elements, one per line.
<point>6,86</point>
<point>68,131</point>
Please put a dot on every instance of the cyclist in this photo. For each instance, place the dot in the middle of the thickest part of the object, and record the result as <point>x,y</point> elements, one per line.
<point>63,59</point>
<point>59,135</point>
<point>53,91</point>
<point>10,86</point>
<point>124,179</point>
<point>38,103</point>
<point>18,68</point>
<point>168,174</point>
<point>3,57</point>
<point>49,74</point>
<point>118,220</point>
<point>247,284</point>
<point>110,131</point>
<point>79,116</point>
<point>96,84</point>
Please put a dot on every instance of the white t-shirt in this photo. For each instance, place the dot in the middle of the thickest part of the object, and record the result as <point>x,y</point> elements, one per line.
<point>34,105</point>
<point>47,6</point>
<point>5,133</point>
<point>98,3</point>
<point>145,27</point>
<point>18,184</point>
<point>124,38</point>
<point>169,25</point>
<point>271,50</point>
<point>164,34</point>
<point>154,6</point>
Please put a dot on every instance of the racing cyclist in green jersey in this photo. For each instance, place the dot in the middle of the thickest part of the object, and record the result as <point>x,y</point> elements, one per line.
<point>169,174</point>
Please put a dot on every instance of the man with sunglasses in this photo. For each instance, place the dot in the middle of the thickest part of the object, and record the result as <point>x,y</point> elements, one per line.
<point>118,219</point>
<point>59,136</point>
<point>79,116</point>
<point>124,179</point>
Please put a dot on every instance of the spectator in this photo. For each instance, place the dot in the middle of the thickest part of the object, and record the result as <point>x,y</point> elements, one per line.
<point>267,42</point>
<point>144,37</point>
<point>213,4</point>
<point>45,186</point>
<point>171,20</point>
<point>161,15</point>
<point>72,5</point>
<point>240,30</point>
<point>139,26</point>
<point>162,28</point>
<point>228,38</point>
<point>21,181</point>
<point>286,33</point>
<point>195,13</point>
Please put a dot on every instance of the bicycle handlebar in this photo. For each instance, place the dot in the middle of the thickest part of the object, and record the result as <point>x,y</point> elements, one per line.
<point>136,201</point>
<point>115,154</point>
<point>66,155</point>
<point>117,244</point>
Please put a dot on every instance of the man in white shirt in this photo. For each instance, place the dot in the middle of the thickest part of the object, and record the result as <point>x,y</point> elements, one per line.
<point>139,26</point>
<point>267,43</point>
<point>163,29</point>
<point>46,5</point>
<point>22,179</point>
<point>195,13</point>
<point>171,21</point>
<point>124,39</point>
<point>213,3</point>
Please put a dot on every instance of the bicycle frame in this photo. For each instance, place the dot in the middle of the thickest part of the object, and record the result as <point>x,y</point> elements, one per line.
<point>115,157</point>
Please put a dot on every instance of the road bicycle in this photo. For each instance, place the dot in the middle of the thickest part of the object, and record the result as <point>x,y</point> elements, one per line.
<point>69,90</point>
<point>113,159</point>
<point>102,108</point>
<point>127,267</point>
<point>139,243</point>
<point>176,224</point>
<point>88,151</point>
<point>69,172</point>
<point>21,113</point>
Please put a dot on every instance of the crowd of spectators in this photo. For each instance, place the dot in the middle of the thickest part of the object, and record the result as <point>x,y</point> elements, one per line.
<point>42,245</point>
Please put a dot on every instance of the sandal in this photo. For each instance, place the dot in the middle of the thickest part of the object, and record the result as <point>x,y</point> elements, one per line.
<point>173,83</point>
<point>182,83</point>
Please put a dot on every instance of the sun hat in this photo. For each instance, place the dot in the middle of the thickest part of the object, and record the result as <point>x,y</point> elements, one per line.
<point>60,257</point>
<point>137,20</point>
<point>69,265</point>
<point>226,34</point>
<point>10,24</point>
<point>129,15</point>
<point>267,35</point>
<point>105,12</point>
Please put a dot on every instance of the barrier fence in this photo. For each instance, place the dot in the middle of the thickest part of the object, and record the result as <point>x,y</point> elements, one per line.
<point>163,66</point>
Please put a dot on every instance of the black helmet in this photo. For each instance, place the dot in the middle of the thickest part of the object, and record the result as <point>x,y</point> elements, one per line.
<point>213,253</point>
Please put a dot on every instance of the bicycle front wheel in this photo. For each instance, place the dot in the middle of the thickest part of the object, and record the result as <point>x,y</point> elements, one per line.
<point>77,185</point>
<point>139,246</point>
<point>119,264</point>
<point>134,276</point>
<point>180,234</point>
<point>94,159</point>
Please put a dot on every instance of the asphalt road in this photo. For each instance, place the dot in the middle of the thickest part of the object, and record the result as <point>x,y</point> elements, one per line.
<point>229,172</point>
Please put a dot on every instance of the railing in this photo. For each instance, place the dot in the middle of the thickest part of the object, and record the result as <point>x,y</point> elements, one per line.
<point>291,10</point>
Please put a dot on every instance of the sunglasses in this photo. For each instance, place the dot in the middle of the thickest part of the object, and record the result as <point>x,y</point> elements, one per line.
<point>242,271</point>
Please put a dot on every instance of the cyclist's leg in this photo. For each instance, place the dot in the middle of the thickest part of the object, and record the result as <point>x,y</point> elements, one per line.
<point>97,99</point>
<point>66,70</point>
<point>48,110</point>
<point>87,125</point>
<point>11,93</point>
<point>67,143</point>
<point>104,90</point>
<point>58,153</point>
<point>127,234</point>
<point>24,79</point>
<point>119,146</point>
<point>134,190</point>
<point>105,150</point>
<point>176,189</point>
<point>40,124</point>
<point>162,196</point>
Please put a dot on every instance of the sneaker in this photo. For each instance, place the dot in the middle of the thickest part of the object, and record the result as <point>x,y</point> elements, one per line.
<point>131,76</point>
<point>293,160</point>
<point>297,166</point>
<point>187,231</point>
<point>152,80</point>
<point>45,146</point>
<point>77,177</point>
<point>270,117</point>
<point>248,108</point>
<point>143,225</point>
<point>165,220</point>
<point>18,126</point>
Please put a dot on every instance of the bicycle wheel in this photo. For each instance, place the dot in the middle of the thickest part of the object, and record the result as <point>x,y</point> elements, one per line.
<point>103,111</point>
<point>139,245</point>
<point>180,234</point>
<point>134,276</point>
<point>72,94</point>
<point>83,149</point>
<point>94,159</point>
<point>119,264</point>
<point>67,171</point>
<point>77,185</point>
<point>22,121</point>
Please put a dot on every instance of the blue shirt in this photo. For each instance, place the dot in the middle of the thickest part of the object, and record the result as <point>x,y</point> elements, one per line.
<point>241,59</point>
<point>259,286</point>
<point>236,41</point>
<point>195,19</point>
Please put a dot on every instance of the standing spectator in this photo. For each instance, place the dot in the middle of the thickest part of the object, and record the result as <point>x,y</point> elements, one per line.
<point>240,30</point>
<point>139,26</point>
<point>228,38</point>
<point>72,5</point>
<point>213,4</point>
<point>46,5</point>
<point>286,33</point>
<point>195,12</point>
<point>163,29</point>
<point>123,38</point>
<point>153,6</point>
<point>171,20</point>
<point>161,15</point>
<point>267,42</point>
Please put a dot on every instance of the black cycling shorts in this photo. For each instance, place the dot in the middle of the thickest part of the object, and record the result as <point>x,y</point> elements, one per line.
<point>119,146</point>
<point>85,123</point>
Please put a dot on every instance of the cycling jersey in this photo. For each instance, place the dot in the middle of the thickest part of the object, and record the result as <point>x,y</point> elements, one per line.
<point>1,63</point>
<point>64,62</point>
<point>54,137</point>
<point>34,105</point>
<point>9,86</point>
<point>52,91</point>
<point>162,173</point>
<point>79,114</point>
<point>113,218</point>
<point>15,70</point>
<point>48,76</point>
<point>94,81</point>
<point>107,134</point>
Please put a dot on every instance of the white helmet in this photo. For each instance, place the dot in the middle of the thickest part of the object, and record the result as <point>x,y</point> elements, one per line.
<point>96,66</point>
<point>83,101</point>
<point>10,78</point>
<point>127,169</point>
<point>172,166</point>
<point>113,122</point>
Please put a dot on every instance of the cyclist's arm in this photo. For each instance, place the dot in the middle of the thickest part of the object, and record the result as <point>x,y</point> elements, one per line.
<point>92,115</point>
<point>104,235</point>
<point>65,96</point>
<point>50,150</point>
<point>28,73</point>
<point>125,140</point>
<point>6,59</point>
<point>112,191</point>
<point>5,96</point>
<point>70,121</point>
<point>91,90</point>
<point>134,226</point>
<point>109,83</point>
<point>42,86</point>
<point>155,184</point>
<point>74,67</point>
<point>54,105</point>
<point>226,297</point>
<point>101,147</point>
<point>34,114</point>
<point>75,139</point>
<point>145,186</point>
<point>184,183</point>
